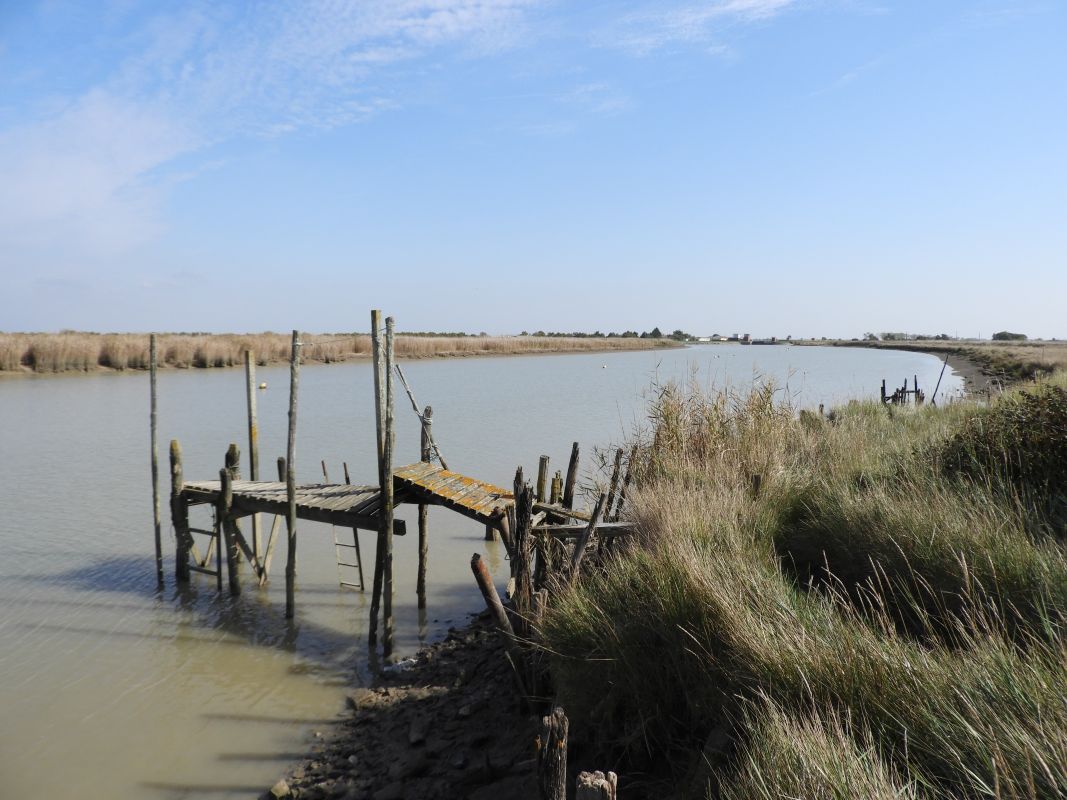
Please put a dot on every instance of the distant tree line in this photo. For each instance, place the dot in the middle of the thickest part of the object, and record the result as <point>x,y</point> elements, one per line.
<point>678,335</point>
<point>894,336</point>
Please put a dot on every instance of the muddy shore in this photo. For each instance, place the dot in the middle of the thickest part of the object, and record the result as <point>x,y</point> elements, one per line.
<point>446,723</point>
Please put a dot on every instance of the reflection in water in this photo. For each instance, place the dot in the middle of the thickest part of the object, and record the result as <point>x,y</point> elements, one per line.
<point>120,689</point>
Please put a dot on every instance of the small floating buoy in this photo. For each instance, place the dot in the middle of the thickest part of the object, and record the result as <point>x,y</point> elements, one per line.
<point>263,385</point>
<point>603,366</point>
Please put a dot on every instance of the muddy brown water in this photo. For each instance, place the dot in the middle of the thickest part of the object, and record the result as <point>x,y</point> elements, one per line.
<point>110,687</point>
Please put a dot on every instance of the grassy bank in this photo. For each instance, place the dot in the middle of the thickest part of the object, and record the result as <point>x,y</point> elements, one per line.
<point>85,352</point>
<point>885,617</point>
<point>1008,361</point>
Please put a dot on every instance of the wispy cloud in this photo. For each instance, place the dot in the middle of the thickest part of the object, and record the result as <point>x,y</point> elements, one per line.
<point>656,27</point>
<point>87,171</point>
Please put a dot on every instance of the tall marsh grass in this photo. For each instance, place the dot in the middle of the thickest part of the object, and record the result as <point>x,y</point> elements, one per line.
<point>866,624</point>
<point>82,352</point>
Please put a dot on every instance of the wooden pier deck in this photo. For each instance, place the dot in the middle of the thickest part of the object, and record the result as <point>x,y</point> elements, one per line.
<point>335,504</point>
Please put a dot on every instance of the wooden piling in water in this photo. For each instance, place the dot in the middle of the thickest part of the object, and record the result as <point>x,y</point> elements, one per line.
<point>572,477</point>
<point>424,455</point>
<point>387,487</point>
<point>226,529</point>
<point>290,480</point>
<point>253,442</point>
<point>522,537</point>
<point>379,420</point>
<point>179,514</point>
<point>152,362</point>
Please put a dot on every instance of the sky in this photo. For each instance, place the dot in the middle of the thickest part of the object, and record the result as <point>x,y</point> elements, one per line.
<point>778,167</point>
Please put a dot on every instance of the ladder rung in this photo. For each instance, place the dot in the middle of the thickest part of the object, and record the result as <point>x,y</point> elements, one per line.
<point>204,531</point>
<point>353,585</point>
<point>342,544</point>
<point>348,564</point>
<point>205,570</point>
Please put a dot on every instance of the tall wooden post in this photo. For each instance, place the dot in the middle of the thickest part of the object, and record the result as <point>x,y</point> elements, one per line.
<point>253,442</point>
<point>228,540</point>
<point>387,488</point>
<point>552,756</point>
<point>290,480</point>
<point>179,513</point>
<point>424,454</point>
<point>572,476</point>
<point>379,420</point>
<point>152,362</point>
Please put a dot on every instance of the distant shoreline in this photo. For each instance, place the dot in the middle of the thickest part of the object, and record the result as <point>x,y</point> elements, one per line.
<point>98,354</point>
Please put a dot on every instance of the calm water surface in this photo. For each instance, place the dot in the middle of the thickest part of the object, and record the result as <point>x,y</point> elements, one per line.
<point>114,689</point>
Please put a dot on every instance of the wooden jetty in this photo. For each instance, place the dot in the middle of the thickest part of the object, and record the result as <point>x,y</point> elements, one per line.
<point>551,516</point>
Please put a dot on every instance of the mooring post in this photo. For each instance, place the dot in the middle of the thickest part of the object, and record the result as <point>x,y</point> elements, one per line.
<point>572,476</point>
<point>387,486</point>
<point>883,391</point>
<point>552,756</point>
<point>179,513</point>
<point>290,480</point>
<point>152,360</point>
<point>253,442</point>
<point>542,479</point>
<point>424,455</point>
<point>225,508</point>
<point>379,420</point>
<point>233,461</point>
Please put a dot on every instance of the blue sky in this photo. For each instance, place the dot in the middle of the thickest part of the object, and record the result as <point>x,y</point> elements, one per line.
<point>803,167</point>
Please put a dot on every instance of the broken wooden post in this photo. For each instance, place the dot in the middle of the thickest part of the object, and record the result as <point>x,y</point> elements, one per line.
<point>290,479</point>
<point>233,461</point>
<point>424,455</point>
<point>630,462</point>
<point>179,514</point>
<point>572,477</point>
<point>522,539</point>
<point>615,476</point>
<point>596,786</point>
<point>883,391</point>
<point>152,357</point>
<point>552,756</point>
<point>379,421</point>
<point>422,419</point>
<point>253,442</point>
<point>542,479</point>
<point>500,618</point>
<point>225,526</point>
<point>387,488</point>
<point>583,537</point>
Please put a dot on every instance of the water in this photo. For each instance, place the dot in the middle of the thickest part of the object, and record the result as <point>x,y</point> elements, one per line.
<point>116,689</point>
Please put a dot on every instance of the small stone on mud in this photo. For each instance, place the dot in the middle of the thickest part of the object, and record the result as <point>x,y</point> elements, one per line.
<point>280,789</point>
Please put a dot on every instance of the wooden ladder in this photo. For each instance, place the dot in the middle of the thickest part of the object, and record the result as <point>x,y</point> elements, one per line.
<point>214,535</point>
<point>339,548</point>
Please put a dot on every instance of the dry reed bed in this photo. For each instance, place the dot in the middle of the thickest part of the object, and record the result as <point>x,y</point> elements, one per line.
<point>83,352</point>
<point>870,624</point>
<point>1010,361</point>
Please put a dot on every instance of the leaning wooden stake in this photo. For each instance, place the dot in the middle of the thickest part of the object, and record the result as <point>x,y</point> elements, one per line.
<point>615,475</point>
<point>387,489</point>
<point>572,476</point>
<point>630,463</point>
<point>290,480</point>
<point>583,538</point>
<point>424,454</point>
<point>379,421</point>
<point>179,514</point>
<point>552,756</point>
<point>596,786</point>
<point>500,618</point>
<point>253,443</point>
<point>152,356</point>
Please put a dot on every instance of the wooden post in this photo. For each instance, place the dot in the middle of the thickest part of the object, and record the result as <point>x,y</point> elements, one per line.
<point>596,786</point>
<point>152,358</point>
<point>552,756</point>
<point>572,476</point>
<point>821,414</point>
<point>615,475</point>
<point>233,461</point>
<point>225,507</point>
<point>424,455</point>
<point>179,513</point>
<point>387,488</point>
<point>500,618</point>
<point>522,539</point>
<point>557,488</point>
<point>584,536</point>
<point>345,465</point>
<point>325,474</point>
<point>883,391</point>
<point>542,479</point>
<point>379,420</point>
<point>625,482</point>
<point>271,539</point>
<point>253,443</point>
<point>290,479</point>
